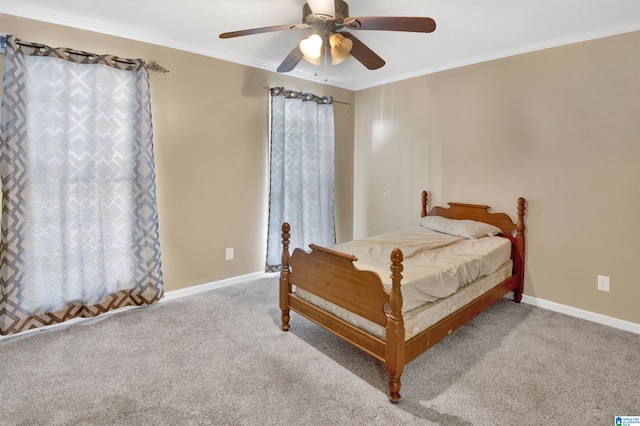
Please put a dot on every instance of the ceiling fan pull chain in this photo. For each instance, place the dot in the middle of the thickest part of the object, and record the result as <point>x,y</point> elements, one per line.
<point>325,65</point>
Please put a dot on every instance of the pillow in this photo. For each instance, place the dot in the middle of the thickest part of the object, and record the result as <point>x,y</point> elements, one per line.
<point>469,229</point>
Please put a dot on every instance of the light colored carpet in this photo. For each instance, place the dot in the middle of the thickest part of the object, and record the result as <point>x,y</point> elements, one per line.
<point>220,358</point>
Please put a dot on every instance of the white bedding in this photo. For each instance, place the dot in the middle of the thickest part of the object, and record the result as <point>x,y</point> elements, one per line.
<point>422,317</point>
<point>436,265</point>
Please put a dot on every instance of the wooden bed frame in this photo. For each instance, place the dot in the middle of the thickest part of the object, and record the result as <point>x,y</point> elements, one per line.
<point>332,276</point>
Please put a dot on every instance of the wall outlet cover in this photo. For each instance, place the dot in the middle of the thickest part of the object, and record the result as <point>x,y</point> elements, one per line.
<point>603,283</point>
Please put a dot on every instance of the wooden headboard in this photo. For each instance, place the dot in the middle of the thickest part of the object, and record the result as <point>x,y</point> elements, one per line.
<point>501,220</point>
<point>478,212</point>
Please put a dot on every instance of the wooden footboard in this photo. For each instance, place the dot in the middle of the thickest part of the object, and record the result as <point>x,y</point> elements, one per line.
<point>332,276</point>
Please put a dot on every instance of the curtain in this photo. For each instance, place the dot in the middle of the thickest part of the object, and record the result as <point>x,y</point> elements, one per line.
<point>301,172</point>
<point>79,230</point>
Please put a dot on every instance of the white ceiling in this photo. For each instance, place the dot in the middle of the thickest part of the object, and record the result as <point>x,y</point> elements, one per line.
<point>468,31</point>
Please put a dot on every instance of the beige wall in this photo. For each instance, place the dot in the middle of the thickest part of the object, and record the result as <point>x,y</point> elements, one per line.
<point>210,121</point>
<point>560,127</point>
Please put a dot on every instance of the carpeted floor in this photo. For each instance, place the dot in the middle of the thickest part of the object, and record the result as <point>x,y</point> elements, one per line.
<point>220,358</point>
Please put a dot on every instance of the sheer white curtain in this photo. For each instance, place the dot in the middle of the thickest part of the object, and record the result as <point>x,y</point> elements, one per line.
<point>79,219</point>
<point>301,172</point>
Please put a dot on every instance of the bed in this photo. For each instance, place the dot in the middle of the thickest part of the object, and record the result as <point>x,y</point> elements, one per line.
<point>353,299</point>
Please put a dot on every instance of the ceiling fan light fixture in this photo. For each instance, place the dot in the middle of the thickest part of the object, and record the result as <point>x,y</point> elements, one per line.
<point>340,48</point>
<point>316,62</point>
<point>311,47</point>
<point>323,8</point>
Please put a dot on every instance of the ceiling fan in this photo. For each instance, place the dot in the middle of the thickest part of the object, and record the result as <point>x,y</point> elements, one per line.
<point>322,22</point>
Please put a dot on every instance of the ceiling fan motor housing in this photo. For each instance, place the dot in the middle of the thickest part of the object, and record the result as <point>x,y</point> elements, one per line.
<point>342,12</point>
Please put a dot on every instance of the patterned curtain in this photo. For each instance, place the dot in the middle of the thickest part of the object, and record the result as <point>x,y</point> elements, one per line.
<point>302,172</point>
<point>79,221</point>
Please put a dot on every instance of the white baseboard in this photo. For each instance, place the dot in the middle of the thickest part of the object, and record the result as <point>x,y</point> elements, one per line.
<point>169,295</point>
<point>529,300</point>
<point>580,313</point>
<point>176,294</point>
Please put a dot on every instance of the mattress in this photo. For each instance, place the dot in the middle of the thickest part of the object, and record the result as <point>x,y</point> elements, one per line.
<point>422,317</point>
<point>436,265</point>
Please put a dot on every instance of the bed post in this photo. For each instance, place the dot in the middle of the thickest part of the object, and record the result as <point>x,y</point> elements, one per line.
<point>520,245</point>
<point>394,345</point>
<point>425,198</point>
<point>285,285</point>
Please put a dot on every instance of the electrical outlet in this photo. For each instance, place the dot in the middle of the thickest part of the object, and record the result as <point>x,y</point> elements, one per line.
<point>603,283</point>
<point>229,253</point>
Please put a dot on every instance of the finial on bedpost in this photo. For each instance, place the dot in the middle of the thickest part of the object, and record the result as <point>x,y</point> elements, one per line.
<point>285,245</point>
<point>395,299</point>
<point>425,198</point>
<point>285,285</point>
<point>394,359</point>
<point>520,224</point>
<point>520,244</point>
<point>521,210</point>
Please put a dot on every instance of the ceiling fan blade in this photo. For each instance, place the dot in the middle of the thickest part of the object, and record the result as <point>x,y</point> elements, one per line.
<point>291,60</point>
<point>391,23</point>
<point>264,30</point>
<point>363,54</point>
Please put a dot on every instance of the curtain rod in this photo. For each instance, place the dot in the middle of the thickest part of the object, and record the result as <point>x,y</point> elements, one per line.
<point>332,100</point>
<point>152,65</point>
